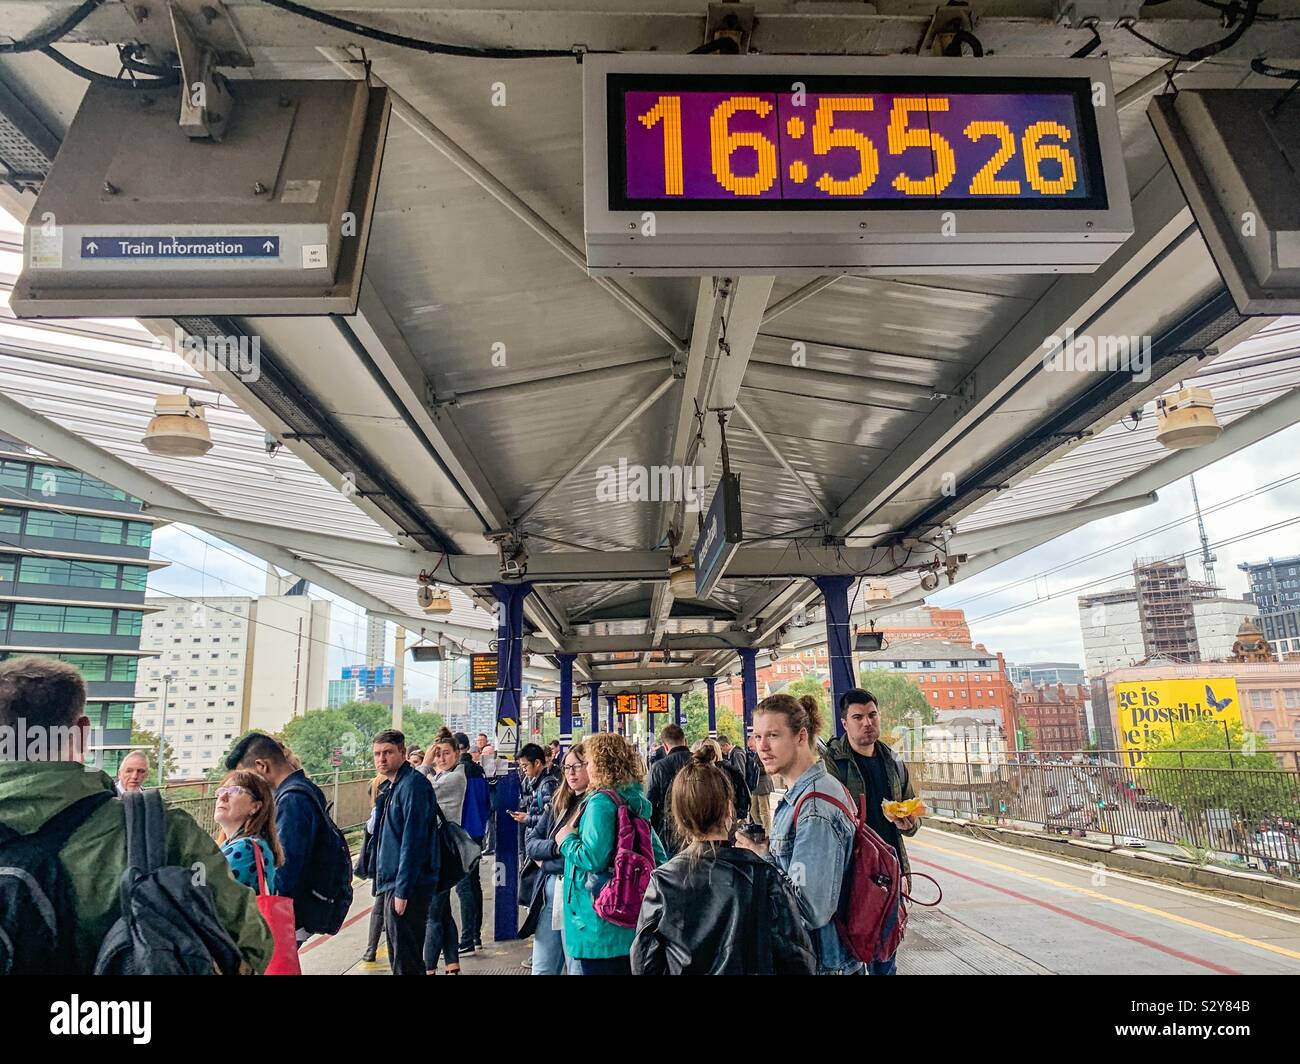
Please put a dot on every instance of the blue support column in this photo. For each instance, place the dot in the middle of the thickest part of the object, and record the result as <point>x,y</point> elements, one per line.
<point>593,725</point>
<point>748,688</point>
<point>839,639</point>
<point>566,701</point>
<point>609,701</point>
<point>510,713</point>
<point>677,709</point>
<point>711,682</point>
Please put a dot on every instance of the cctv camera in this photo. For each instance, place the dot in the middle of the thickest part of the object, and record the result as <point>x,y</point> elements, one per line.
<point>929,581</point>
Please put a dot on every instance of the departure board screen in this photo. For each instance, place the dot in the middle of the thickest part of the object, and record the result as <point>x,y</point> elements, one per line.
<point>482,672</point>
<point>701,142</point>
<point>627,703</point>
<point>656,702</point>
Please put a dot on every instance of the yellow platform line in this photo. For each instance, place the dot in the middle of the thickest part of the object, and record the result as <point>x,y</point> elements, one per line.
<point>1172,917</point>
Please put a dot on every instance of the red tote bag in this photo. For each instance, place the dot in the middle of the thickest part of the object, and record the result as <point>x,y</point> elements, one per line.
<point>278,914</point>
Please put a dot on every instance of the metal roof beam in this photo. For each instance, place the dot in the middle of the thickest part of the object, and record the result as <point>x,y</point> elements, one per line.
<point>612,674</point>
<point>543,386</point>
<point>373,328</point>
<point>730,311</point>
<point>1162,218</point>
<point>1017,27</point>
<point>48,436</point>
<point>641,407</point>
<point>614,644</point>
<point>507,197</point>
<point>979,540</point>
<point>552,567</point>
<point>776,376</point>
<point>1249,429</point>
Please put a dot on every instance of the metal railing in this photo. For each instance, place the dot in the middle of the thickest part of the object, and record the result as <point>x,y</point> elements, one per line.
<point>1241,816</point>
<point>350,798</point>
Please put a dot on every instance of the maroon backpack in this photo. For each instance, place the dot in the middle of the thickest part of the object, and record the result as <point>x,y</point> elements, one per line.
<point>619,901</point>
<point>870,919</point>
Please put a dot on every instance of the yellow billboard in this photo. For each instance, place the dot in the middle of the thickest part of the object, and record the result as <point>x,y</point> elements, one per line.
<point>1145,709</point>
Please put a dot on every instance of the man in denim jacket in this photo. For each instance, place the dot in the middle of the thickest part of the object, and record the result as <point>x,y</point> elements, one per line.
<point>815,852</point>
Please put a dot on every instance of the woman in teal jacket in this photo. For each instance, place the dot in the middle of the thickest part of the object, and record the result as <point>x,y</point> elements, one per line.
<point>596,946</point>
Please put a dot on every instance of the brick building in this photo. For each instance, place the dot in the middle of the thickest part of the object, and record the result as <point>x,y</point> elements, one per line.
<point>1055,714</point>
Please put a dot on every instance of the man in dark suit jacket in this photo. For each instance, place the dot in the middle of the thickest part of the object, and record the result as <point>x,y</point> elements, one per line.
<point>662,774</point>
<point>406,861</point>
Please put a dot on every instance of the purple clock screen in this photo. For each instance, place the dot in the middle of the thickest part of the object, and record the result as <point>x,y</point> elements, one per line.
<point>743,146</point>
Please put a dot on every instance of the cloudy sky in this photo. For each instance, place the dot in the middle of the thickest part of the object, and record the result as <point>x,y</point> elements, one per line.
<point>1026,607</point>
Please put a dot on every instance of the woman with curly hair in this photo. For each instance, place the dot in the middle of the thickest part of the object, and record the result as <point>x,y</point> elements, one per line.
<point>588,846</point>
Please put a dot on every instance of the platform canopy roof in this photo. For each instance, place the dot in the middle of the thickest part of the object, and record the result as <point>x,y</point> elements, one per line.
<point>462,423</point>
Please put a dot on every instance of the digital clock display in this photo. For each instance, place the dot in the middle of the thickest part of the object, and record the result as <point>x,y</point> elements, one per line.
<point>683,142</point>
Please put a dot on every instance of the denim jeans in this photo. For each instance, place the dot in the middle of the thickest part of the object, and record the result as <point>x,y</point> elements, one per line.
<point>548,947</point>
<point>470,892</point>
<point>440,936</point>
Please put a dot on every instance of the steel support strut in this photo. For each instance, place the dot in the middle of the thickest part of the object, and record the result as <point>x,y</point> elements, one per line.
<point>566,701</point>
<point>748,689</point>
<point>510,669</point>
<point>839,639</point>
<point>711,682</point>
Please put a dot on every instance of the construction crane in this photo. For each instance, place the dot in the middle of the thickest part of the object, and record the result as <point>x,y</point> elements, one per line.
<point>1207,559</point>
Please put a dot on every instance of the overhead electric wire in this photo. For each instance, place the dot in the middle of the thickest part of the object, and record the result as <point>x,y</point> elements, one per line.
<point>1248,16</point>
<point>41,40</point>
<point>401,40</point>
<point>96,78</point>
<point>1136,537</point>
<point>127,516</point>
<point>1192,552</point>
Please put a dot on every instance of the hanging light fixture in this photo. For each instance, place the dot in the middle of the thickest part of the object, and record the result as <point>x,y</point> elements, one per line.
<point>433,600</point>
<point>179,428</point>
<point>681,578</point>
<point>1186,419</point>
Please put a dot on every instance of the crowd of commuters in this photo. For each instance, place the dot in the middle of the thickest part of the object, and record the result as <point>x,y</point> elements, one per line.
<point>688,869</point>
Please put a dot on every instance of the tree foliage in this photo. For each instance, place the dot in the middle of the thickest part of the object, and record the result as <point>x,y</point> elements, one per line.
<point>810,684</point>
<point>1203,768</point>
<point>349,728</point>
<point>695,706</point>
<point>149,740</point>
<point>902,703</point>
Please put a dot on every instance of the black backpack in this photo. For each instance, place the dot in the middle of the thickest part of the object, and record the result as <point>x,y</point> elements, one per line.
<point>322,903</point>
<point>451,867</point>
<point>168,923</point>
<point>38,918</point>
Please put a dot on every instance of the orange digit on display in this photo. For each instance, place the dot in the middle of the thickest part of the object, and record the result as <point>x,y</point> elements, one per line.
<point>669,110</point>
<point>986,182</point>
<point>825,138</point>
<point>724,142</point>
<point>901,138</point>
<point>1035,153</point>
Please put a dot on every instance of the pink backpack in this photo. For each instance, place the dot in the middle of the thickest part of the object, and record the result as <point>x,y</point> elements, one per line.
<point>871,919</point>
<point>619,901</point>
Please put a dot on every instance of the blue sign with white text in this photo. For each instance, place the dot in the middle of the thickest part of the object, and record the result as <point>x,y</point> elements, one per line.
<point>180,247</point>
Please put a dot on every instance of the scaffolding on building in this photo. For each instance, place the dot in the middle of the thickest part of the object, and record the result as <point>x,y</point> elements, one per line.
<point>1165,597</point>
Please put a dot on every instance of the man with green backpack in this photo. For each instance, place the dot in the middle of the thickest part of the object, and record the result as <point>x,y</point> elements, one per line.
<point>63,842</point>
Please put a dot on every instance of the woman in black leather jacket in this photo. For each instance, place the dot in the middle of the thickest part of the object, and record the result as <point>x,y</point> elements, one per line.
<point>715,908</point>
